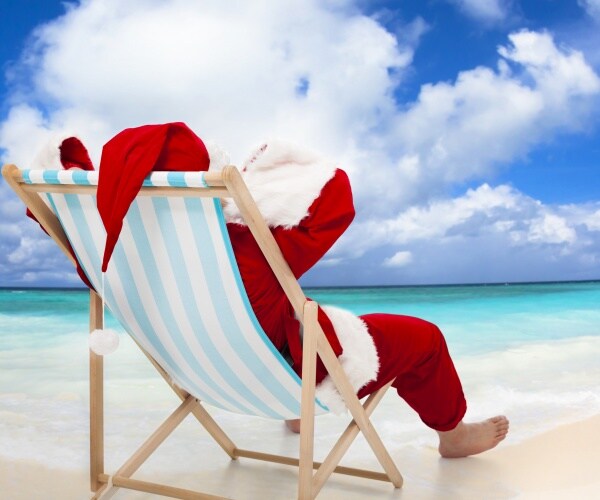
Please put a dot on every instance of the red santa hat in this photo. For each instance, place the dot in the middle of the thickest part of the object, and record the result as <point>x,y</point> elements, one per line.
<point>63,151</point>
<point>129,157</point>
<point>73,154</point>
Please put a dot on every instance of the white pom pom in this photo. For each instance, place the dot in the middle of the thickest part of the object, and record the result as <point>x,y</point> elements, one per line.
<point>104,342</point>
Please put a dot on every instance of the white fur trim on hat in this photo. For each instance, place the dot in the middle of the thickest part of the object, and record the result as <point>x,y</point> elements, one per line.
<point>284,180</point>
<point>359,359</point>
<point>48,156</point>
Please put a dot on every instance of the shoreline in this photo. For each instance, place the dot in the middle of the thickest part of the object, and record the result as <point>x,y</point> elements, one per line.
<point>342,287</point>
<point>559,463</point>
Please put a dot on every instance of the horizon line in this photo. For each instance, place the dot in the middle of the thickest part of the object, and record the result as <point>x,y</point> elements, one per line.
<point>431,285</point>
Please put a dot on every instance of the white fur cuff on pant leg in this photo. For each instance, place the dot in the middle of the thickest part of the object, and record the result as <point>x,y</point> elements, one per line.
<point>359,359</point>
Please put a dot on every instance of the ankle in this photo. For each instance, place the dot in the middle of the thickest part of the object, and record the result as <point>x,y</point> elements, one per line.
<point>293,425</point>
<point>453,435</point>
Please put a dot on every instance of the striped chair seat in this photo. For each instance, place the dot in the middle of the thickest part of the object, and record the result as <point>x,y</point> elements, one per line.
<point>174,285</point>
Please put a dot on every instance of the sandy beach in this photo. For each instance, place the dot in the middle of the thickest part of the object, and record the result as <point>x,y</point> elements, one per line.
<point>561,463</point>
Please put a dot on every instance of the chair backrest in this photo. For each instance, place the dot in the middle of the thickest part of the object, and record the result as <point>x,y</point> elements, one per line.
<point>175,287</point>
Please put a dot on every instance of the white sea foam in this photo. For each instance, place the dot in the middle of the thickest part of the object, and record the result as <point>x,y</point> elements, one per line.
<point>540,385</point>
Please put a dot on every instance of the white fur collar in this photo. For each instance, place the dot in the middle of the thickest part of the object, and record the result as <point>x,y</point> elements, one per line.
<point>284,181</point>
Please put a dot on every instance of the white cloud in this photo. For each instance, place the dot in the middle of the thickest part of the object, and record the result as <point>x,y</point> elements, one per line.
<point>55,278</point>
<point>435,220</point>
<point>593,221</point>
<point>489,234</point>
<point>329,262</point>
<point>28,256</point>
<point>399,259</point>
<point>485,212</point>
<point>555,70</point>
<point>592,7</point>
<point>321,74</point>
<point>24,252</point>
<point>22,131</point>
<point>233,72</point>
<point>484,10</point>
<point>551,228</point>
<point>485,119</point>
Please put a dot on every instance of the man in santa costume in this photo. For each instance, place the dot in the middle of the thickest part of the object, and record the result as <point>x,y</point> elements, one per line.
<point>307,203</point>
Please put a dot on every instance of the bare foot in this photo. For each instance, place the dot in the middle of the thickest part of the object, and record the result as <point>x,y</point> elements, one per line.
<point>293,425</point>
<point>471,439</point>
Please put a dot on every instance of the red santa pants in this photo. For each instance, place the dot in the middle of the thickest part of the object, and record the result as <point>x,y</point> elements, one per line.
<point>415,353</point>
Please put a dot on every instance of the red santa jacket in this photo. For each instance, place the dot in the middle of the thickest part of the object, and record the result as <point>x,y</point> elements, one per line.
<point>307,203</point>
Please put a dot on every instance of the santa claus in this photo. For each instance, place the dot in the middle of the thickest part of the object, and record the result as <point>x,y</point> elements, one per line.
<point>307,203</point>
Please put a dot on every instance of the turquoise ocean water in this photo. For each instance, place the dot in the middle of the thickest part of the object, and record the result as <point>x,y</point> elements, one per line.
<point>529,350</point>
<point>474,318</point>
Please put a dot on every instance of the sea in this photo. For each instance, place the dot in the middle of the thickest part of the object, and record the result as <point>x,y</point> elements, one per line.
<point>530,351</point>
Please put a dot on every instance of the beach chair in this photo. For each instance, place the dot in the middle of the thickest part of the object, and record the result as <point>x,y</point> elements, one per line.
<point>174,285</point>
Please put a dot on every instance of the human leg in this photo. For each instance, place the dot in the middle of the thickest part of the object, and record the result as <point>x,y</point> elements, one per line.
<point>415,353</point>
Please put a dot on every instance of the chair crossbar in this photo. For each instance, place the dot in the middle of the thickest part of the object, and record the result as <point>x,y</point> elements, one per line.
<point>340,469</point>
<point>144,190</point>
<point>156,488</point>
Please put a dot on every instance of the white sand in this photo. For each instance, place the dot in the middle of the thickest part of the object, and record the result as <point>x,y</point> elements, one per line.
<point>558,464</point>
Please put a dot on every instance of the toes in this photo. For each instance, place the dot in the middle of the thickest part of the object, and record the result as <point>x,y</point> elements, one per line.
<point>502,431</point>
<point>501,423</point>
<point>502,427</point>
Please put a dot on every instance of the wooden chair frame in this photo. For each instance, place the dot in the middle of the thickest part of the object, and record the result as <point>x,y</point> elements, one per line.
<point>225,184</point>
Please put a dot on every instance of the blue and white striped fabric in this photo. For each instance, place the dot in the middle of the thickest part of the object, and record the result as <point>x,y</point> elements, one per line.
<point>174,285</point>
<point>90,178</point>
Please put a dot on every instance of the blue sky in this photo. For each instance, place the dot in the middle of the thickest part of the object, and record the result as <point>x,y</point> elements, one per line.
<point>468,127</point>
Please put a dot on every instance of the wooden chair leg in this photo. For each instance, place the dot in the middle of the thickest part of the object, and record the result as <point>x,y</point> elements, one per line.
<point>96,399</point>
<point>307,417</point>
